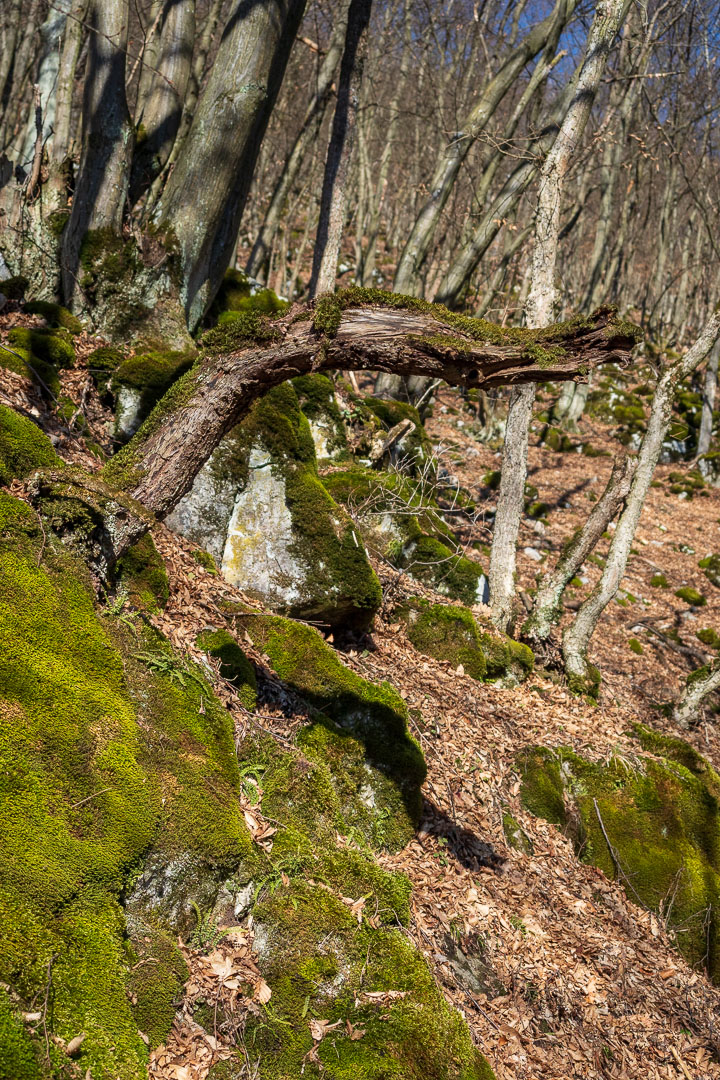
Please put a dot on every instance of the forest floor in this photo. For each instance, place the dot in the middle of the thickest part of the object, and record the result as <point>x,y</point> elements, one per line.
<point>576,980</point>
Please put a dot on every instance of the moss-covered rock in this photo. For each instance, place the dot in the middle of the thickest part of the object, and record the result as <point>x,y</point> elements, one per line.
<point>25,363</point>
<point>710,567</point>
<point>445,632</point>
<point>142,574</point>
<point>401,525</point>
<point>106,756</point>
<point>53,347</point>
<point>234,664</point>
<point>260,508</point>
<point>316,395</point>
<point>239,293</point>
<point>140,381</point>
<point>691,596</point>
<point>102,363</point>
<point>55,315</point>
<point>659,581</point>
<point>23,447</point>
<point>662,818</point>
<point>414,449</point>
<point>359,730</point>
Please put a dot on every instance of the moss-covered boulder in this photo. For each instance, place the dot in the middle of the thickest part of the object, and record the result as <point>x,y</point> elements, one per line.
<point>412,450</point>
<point>23,447</point>
<point>106,757</point>
<point>662,819</point>
<point>710,567</point>
<point>240,293</point>
<point>143,576</point>
<point>359,730</point>
<point>234,664</point>
<point>405,527</point>
<point>140,381</point>
<point>55,315</point>
<point>53,347</point>
<point>449,632</point>
<point>316,395</point>
<point>121,819</point>
<point>259,507</point>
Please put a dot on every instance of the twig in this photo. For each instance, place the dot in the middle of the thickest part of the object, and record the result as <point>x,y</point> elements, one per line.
<point>622,876</point>
<point>75,805</point>
<point>48,986</point>
<point>680,1063</point>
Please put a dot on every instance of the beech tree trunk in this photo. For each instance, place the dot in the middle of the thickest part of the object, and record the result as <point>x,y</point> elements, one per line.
<point>163,82</point>
<point>260,254</point>
<point>539,307</point>
<point>337,165</point>
<point>102,182</point>
<point>159,464</point>
<point>708,403</point>
<point>453,155</point>
<point>204,198</point>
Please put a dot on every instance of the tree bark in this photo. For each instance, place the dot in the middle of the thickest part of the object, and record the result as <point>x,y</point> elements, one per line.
<point>159,465</point>
<point>257,263</point>
<point>546,608</point>
<point>337,165</point>
<point>699,686</point>
<point>451,158</point>
<point>102,183</point>
<point>511,500</point>
<point>163,82</point>
<point>46,79</point>
<point>203,201</point>
<point>708,403</point>
<point>577,637</point>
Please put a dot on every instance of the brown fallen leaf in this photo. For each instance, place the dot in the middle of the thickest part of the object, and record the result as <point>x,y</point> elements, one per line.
<point>354,1031</point>
<point>320,1028</point>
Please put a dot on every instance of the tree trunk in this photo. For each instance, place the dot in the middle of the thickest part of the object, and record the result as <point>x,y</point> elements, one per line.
<point>257,263</point>
<point>539,308</point>
<point>708,404</point>
<point>699,686</point>
<point>59,145</point>
<point>451,158</point>
<point>159,465</point>
<point>511,500</point>
<point>102,183</point>
<point>577,637</point>
<point>337,165</point>
<point>163,83</point>
<point>203,201</point>
<point>546,608</point>
<point>46,80</point>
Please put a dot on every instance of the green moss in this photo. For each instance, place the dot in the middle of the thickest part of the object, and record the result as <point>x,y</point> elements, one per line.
<point>15,287</point>
<point>155,984</point>
<point>635,646</point>
<point>102,363</point>
<point>447,633</point>
<point>105,754</point>
<point>316,395</point>
<point>205,559</point>
<point>390,413</point>
<point>587,685</point>
<point>142,573</point>
<point>515,835</point>
<point>710,567</point>
<point>659,581</point>
<point>51,346</point>
<point>351,714</point>
<point>415,1036</point>
<point>708,636</point>
<point>691,596</point>
<point>557,440</point>
<point>340,585</point>
<point>504,656</point>
<point>234,664</point>
<point>238,294</point>
<point>19,1059</point>
<point>661,817</point>
<point>55,315</point>
<point>152,373</point>
<point>23,447</point>
<point>434,562</point>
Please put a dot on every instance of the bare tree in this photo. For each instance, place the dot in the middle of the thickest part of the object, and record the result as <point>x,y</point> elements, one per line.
<point>540,303</point>
<point>342,138</point>
<point>577,637</point>
<point>708,402</point>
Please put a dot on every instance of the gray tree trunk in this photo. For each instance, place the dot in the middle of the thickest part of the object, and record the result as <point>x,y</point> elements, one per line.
<point>342,138</point>
<point>260,254</point>
<point>708,403</point>
<point>161,93</point>
<point>102,182</point>
<point>453,155</point>
<point>699,686</point>
<point>204,198</point>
